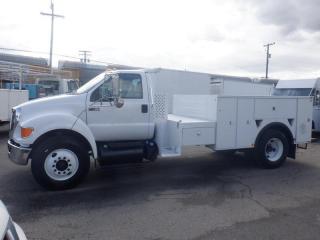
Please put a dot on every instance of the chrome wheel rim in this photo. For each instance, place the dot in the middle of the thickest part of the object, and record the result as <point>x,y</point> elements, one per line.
<point>61,164</point>
<point>274,149</point>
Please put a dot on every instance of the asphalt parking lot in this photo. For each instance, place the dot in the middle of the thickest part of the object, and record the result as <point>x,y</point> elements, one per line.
<point>198,196</point>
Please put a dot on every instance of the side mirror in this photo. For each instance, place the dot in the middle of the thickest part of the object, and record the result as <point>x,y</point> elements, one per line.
<point>118,102</point>
<point>115,86</point>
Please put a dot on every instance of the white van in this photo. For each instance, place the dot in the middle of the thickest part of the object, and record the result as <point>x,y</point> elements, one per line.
<point>55,86</point>
<point>302,87</point>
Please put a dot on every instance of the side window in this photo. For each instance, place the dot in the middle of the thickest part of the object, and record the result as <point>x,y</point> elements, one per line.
<point>130,85</point>
<point>102,93</point>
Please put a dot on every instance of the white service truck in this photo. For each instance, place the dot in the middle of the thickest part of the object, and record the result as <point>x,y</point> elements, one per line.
<point>8,99</point>
<point>303,87</point>
<point>149,113</point>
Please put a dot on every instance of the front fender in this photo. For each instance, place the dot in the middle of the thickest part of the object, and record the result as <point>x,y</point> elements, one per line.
<point>53,121</point>
<point>82,128</point>
<point>42,124</point>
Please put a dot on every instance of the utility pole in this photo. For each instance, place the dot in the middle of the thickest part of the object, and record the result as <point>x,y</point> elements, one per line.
<point>85,54</point>
<point>268,56</point>
<point>52,15</point>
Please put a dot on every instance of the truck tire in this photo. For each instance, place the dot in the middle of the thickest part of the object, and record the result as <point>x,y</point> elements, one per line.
<point>60,163</point>
<point>272,149</point>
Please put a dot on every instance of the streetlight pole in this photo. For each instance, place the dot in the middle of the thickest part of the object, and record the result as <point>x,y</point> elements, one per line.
<point>52,15</point>
<point>268,56</point>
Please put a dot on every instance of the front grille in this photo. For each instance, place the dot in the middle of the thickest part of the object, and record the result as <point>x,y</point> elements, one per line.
<point>13,123</point>
<point>13,116</point>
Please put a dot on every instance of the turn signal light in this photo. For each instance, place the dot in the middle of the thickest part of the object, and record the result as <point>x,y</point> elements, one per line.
<point>26,132</point>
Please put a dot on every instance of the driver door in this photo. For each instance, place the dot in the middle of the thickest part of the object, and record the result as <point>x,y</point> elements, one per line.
<point>131,121</point>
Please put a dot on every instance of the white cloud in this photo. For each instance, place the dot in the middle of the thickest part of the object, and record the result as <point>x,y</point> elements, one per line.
<point>209,35</point>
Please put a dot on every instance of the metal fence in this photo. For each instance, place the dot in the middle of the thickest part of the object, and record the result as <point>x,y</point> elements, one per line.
<point>24,73</point>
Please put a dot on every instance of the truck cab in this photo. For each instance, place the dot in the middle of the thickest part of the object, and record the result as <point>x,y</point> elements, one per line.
<point>302,87</point>
<point>142,114</point>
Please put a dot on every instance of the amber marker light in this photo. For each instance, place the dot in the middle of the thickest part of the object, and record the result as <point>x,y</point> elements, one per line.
<point>26,132</point>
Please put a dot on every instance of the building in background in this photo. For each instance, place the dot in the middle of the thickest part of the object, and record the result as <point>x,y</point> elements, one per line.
<point>86,71</point>
<point>80,70</point>
<point>15,68</point>
<point>32,61</point>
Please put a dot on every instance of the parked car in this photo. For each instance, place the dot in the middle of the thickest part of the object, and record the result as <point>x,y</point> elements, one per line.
<point>9,230</point>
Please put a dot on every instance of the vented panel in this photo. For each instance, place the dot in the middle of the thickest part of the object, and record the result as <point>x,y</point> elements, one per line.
<point>160,106</point>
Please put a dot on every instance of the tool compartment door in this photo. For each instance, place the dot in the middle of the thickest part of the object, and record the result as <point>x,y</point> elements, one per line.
<point>226,123</point>
<point>246,127</point>
<point>304,120</point>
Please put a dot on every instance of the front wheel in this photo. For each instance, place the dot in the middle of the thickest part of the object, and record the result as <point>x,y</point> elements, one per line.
<point>272,149</point>
<point>59,163</point>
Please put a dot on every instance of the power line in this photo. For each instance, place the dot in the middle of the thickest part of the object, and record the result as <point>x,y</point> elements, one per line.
<point>54,54</point>
<point>268,56</point>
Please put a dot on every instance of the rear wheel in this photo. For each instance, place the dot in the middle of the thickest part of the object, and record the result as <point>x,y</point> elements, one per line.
<point>272,149</point>
<point>60,163</point>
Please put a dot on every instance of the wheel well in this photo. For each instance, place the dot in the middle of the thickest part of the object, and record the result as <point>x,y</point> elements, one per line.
<point>285,130</point>
<point>65,133</point>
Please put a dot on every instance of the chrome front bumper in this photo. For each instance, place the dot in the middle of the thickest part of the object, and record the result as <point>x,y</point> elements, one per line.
<point>18,154</point>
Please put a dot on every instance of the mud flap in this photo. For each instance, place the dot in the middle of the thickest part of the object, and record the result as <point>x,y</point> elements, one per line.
<point>292,151</point>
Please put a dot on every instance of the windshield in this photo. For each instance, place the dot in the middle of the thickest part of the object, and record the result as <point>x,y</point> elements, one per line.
<point>291,92</point>
<point>93,82</point>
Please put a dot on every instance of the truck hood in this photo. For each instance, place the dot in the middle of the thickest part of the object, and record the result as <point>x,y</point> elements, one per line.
<point>67,103</point>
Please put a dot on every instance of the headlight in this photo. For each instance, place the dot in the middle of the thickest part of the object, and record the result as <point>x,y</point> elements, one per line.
<point>18,114</point>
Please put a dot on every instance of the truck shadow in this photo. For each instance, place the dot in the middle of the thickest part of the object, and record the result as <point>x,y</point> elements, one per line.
<point>140,183</point>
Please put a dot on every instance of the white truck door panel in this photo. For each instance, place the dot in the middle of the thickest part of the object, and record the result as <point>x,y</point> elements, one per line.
<point>226,123</point>
<point>130,122</point>
<point>197,136</point>
<point>304,121</point>
<point>246,127</point>
<point>273,108</point>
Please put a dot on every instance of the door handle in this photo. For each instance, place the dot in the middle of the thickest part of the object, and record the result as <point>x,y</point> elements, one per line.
<point>144,108</point>
<point>94,109</point>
